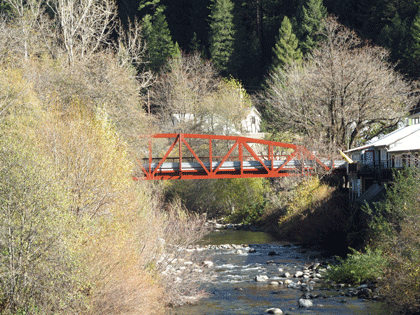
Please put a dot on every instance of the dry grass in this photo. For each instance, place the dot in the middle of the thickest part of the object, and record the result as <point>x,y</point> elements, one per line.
<point>175,229</point>
<point>122,283</point>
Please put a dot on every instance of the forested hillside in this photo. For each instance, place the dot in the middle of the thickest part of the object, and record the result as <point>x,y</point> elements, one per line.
<point>255,24</point>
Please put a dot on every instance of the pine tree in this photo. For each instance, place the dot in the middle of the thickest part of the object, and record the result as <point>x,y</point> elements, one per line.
<point>412,54</point>
<point>127,11</point>
<point>176,52</point>
<point>222,34</point>
<point>395,36</point>
<point>286,48</point>
<point>158,38</point>
<point>195,44</point>
<point>309,19</point>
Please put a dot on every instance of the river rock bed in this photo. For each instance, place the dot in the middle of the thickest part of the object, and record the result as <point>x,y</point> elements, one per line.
<point>273,278</point>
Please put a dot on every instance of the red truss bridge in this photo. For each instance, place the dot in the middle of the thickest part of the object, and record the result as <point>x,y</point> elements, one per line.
<point>193,156</point>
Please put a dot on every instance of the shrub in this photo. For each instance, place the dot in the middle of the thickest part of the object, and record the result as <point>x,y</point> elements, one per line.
<point>77,234</point>
<point>307,195</point>
<point>395,228</point>
<point>39,268</point>
<point>359,267</point>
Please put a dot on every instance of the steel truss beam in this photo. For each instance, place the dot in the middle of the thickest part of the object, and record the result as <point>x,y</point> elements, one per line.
<point>247,164</point>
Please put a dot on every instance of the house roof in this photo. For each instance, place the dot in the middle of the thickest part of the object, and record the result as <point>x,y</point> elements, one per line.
<point>409,143</point>
<point>403,139</point>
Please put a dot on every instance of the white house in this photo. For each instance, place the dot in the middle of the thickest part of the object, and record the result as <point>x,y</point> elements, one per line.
<point>250,125</point>
<point>394,150</point>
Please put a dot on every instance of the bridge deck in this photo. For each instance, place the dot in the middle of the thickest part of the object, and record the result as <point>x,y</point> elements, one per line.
<point>236,165</point>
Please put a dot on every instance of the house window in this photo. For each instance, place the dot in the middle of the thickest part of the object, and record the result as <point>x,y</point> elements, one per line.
<point>253,120</point>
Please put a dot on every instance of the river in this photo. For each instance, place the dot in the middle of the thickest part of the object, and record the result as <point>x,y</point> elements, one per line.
<point>235,291</point>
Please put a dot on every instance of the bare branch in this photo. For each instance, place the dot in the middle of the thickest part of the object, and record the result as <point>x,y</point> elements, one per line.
<point>85,25</point>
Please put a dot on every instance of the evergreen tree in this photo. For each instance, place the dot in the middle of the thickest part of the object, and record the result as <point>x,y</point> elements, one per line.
<point>127,11</point>
<point>148,7</point>
<point>395,37</point>
<point>222,34</point>
<point>286,48</point>
<point>309,19</point>
<point>158,38</point>
<point>198,13</point>
<point>176,52</point>
<point>195,45</point>
<point>413,52</point>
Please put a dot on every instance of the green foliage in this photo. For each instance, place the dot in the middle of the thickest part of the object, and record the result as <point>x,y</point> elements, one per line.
<point>176,51</point>
<point>147,4</point>
<point>244,197</point>
<point>400,206</point>
<point>158,37</point>
<point>395,36</point>
<point>412,53</point>
<point>309,18</point>
<point>395,228</point>
<point>222,34</point>
<point>6,9</point>
<point>286,48</point>
<point>307,194</point>
<point>195,45</point>
<point>359,267</point>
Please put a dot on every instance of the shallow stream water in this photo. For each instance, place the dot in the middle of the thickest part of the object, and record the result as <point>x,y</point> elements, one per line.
<point>235,290</point>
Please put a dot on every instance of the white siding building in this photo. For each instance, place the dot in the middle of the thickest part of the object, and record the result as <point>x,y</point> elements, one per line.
<point>395,150</point>
<point>252,123</point>
<point>250,126</point>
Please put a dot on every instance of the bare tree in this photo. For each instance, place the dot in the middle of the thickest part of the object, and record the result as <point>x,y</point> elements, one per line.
<point>191,97</point>
<point>84,25</point>
<point>27,31</point>
<point>345,90</point>
<point>181,93</point>
<point>131,49</point>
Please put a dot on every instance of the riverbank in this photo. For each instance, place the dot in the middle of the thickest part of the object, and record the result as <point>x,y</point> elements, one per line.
<point>385,235</point>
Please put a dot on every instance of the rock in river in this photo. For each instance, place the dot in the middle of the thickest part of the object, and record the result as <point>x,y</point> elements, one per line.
<point>305,303</point>
<point>261,278</point>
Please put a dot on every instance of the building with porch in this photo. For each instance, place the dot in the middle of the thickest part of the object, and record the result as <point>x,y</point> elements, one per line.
<point>373,162</point>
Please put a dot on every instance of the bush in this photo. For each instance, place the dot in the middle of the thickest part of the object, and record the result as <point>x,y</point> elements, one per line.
<point>395,228</point>
<point>77,234</point>
<point>307,194</point>
<point>39,268</point>
<point>359,267</point>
